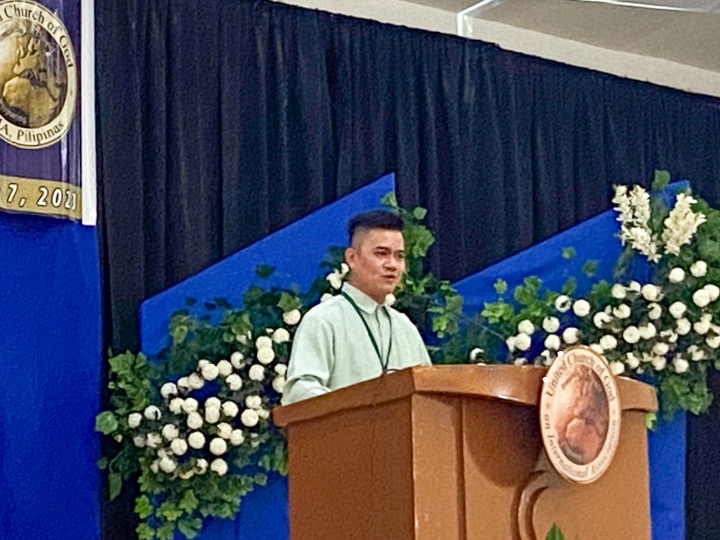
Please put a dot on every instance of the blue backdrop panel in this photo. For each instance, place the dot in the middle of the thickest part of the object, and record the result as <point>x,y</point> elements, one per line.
<point>295,252</point>
<point>49,379</point>
<point>596,238</point>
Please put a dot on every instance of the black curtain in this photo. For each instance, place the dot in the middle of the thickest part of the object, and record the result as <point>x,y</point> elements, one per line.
<point>222,121</point>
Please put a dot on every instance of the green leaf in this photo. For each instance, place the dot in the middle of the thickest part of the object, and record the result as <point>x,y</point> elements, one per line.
<point>389,199</point>
<point>419,213</point>
<point>114,485</point>
<point>651,421</point>
<point>190,527</point>
<point>661,179</point>
<point>288,302</point>
<point>590,267</point>
<point>500,286</point>
<point>568,253</point>
<point>188,502</point>
<point>145,532</point>
<point>169,511</point>
<point>102,463</point>
<point>106,422</point>
<point>143,507</point>
<point>569,287</point>
<point>554,533</point>
<point>264,270</point>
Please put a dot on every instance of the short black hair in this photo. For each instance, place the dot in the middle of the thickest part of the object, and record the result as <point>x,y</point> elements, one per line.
<point>375,219</point>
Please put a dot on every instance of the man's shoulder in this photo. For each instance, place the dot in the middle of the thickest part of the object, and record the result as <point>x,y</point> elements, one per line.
<point>328,310</point>
<point>401,318</point>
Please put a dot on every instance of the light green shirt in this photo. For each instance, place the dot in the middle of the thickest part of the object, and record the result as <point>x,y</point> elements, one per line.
<point>332,348</point>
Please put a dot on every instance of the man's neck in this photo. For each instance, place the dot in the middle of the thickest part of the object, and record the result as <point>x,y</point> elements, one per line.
<point>380,301</point>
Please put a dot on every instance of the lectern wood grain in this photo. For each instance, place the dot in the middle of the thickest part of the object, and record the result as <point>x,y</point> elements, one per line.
<point>444,453</point>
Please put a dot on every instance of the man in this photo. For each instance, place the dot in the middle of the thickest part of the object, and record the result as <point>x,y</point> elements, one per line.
<point>356,335</point>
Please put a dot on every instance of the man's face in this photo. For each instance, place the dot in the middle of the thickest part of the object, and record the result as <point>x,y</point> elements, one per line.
<point>377,261</point>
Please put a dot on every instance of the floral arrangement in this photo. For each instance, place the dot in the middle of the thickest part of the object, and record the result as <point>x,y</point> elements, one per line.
<point>193,426</point>
<point>664,330</point>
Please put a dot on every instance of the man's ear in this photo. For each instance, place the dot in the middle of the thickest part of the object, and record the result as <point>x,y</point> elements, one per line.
<point>350,255</point>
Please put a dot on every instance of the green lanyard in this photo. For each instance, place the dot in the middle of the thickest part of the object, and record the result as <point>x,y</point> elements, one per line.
<point>383,364</point>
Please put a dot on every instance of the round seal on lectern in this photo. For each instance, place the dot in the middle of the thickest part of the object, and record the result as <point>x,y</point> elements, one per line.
<point>38,75</point>
<point>580,415</point>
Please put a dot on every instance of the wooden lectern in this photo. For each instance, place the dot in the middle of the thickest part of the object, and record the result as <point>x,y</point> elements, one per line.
<point>454,453</point>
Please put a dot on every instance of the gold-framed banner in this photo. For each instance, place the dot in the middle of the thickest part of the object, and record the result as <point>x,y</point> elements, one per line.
<point>47,143</point>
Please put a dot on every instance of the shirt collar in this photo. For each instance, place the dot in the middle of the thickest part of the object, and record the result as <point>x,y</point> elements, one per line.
<point>363,301</point>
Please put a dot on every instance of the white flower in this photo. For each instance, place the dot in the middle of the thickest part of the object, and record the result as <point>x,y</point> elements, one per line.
<point>230,409</point>
<point>617,368</point>
<point>660,348</point>
<point>134,420</point>
<point>344,269</point>
<point>194,420</point>
<point>618,291</point>
<point>713,341</point>
<point>510,342</point>
<point>552,342</point>
<point>153,440</point>
<point>219,467</point>
<point>224,430</point>
<point>176,405</point>
<point>202,363</point>
<point>170,432</point>
<point>669,336</point>
<point>280,369</point>
<point>701,298</point>
<point>571,335</point>
<point>547,357</point>
<point>634,286</point>
<point>713,291</point>
<point>526,327</point>
<point>154,466</point>
<point>263,342</point>
<point>621,312</point>
<point>201,466</point>
<point>152,412</point>
<point>212,403</point>
<point>187,475</point>
<point>292,317</point>
<point>236,359</point>
<point>196,440</point>
<point>581,308</point>
<point>659,363</point>
<point>225,368</point>
<point>253,402</point>
<point>683,326</point>
<point>551,324</point>
<point>190,405</point>
<point>212,415</point>
<point>608,342</point>
<point>265,356</point>
<point>278,384</point>
<point>183,384</point>
<point>167,465</point>
<point>676,275</point>
<point>234,382</point>
<point>601,318</point>
<point>249,417</point>
<point>654,311</point>
<point>650,292</point>
<point>597,348</point>
<point>195,381</point>
<point>681,223</point>
<point>631,334</point>
<point>237,437</point>
<point>522,342</point>
<point>210,372</point>
<point>168,389</point>
<point>677,309</point>
<point>390,300</point>
<point>263,413</point>
<point>701,327</point>
<point>647,331</point>
<point>139,441</point>
<point>473,355</point>
<point>680,364</point>
<point>632,361</point>
<point>325,297</point>
<point>696,353</point>
<point>243,340</point>
<point>335,280</point>
<point>280,336</point>
<point>257,372</point>
<point>562,303</point>
<point>218,446</point>
<point>698,268</point>
<point>179,446</point>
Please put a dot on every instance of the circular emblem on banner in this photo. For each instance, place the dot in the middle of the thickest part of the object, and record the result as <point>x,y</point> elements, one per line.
<point>38,75</point>
<point>580,415</point>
